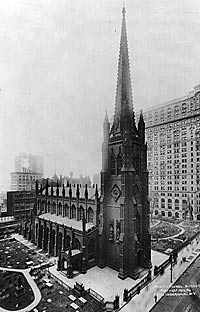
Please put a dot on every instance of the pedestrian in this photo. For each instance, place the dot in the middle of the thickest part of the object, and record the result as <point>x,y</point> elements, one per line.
<point>155,297</point>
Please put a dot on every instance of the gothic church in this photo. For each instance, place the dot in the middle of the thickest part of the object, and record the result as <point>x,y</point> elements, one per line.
<point>108,227</point>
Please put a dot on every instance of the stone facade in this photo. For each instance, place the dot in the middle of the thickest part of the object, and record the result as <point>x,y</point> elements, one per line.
<point>124,226</point>
<point>173,137</point>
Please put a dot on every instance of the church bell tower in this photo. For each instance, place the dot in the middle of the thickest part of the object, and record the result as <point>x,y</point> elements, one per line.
<point>124,239</point>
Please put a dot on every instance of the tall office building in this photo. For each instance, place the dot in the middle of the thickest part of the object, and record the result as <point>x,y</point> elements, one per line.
<point>173,136</point>
<point>28,169</point>
<point>29,163</point>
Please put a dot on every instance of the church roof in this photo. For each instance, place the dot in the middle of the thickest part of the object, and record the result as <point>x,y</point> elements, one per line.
<point>55,177</point>
<point>91,191</point>
<point>77,225</point>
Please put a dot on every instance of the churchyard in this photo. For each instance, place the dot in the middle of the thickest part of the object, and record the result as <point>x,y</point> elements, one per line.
<point>56,296</point>
<point>14,254</point>
<point>167,234</point>
<point>14,287</point>
<point>19,266</point>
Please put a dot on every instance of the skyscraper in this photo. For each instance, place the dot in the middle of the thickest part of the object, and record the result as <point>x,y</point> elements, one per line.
<point>173,137</point>
<point>28,169</point>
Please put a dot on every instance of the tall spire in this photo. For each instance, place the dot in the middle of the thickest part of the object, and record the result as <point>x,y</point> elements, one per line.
<point>124,100</point>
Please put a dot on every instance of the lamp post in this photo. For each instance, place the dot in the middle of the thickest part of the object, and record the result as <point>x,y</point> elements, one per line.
<point>171,260</point>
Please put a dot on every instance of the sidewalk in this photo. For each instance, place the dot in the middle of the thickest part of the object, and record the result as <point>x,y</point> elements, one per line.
<point>145,301</point>
<point>107,284</point>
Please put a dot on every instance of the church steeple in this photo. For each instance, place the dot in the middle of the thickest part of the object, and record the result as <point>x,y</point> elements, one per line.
<point>124,206</point>
<point>124,99</point>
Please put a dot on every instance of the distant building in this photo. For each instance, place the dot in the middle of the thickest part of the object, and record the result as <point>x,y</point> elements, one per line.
<point>21,204</point>
<point>173,137</point>
<point>81,180</point>
<point>8,225</point>
<point>96,179</point>
<point>29,163</point>
<point>24,181</point>
<point>28,169</point>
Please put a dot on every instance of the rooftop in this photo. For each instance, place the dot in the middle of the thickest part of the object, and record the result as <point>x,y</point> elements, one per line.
<point>77,225</point>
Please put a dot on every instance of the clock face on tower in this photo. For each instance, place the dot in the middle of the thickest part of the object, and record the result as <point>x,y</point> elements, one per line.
<point>115,193</point>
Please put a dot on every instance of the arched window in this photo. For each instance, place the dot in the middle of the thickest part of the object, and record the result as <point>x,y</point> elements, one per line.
<point>162,203</point>
<point>77,244</point>
<point>184,108</point>
<point>169,214</point>
<point>150,117</point>
<point>169,112</point>
<point>162,115</point>
<point>156,116</point>
<point>54,207</point>
<point>81,213</point>
<point>59,209</point>
<point>43,206</point>
<point>73,212</point>
<point>176,204</point>
<point>49,206</point>
<point>156,212</point>
<point>90,215</point>
<point>177,215</point>
<point>162,213</point>
<point>169,203</point>
<point>66,210</point>
<point>112,165</point>
<point>184,204</point>
<point>176,110</point>
<point>119,164</point>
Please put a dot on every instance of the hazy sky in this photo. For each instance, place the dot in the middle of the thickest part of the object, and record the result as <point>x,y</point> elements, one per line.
<point>58,69</point>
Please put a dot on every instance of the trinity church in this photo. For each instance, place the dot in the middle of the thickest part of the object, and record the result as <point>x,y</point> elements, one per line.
<point>85,226</point>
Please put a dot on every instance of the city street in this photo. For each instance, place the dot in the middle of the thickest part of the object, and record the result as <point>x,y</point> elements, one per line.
<point>145,301</point>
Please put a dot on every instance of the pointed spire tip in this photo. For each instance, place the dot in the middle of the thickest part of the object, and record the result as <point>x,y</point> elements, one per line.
<point>123,9</point>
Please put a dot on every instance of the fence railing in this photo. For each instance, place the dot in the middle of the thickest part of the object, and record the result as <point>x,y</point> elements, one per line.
<point>129,294</point>
<point>95,295</point>
<point>60,281</point>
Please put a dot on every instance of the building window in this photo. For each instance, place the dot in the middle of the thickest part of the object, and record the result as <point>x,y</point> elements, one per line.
<point>176,110</point>
<point>184,204</point>
<point>54,208</point>
<point>59,209</point>
<point>66,210</point>
<point>73,212</point>
<point>177,215</point>
<point>49,206</point>
<point>90,215</point>
<point>169,112</point>
<point>112,165</point>
<point>162,203</point>
<point>119,164</point>
<point>81,213</point>
<point>169,203</point>
<point>176,204</point>
<point>77,244</point>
